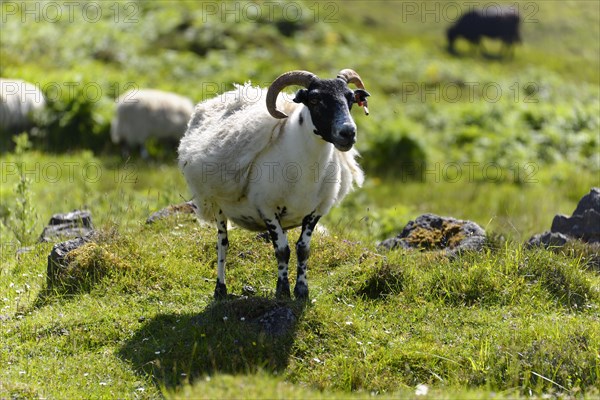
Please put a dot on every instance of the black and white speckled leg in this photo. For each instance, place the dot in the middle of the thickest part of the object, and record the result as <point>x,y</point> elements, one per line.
<point>302,251</point>
<point>282,253</point>
<point>222,245</point>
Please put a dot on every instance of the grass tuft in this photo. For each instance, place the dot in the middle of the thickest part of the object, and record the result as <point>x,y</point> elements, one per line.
<point>381,280</point>
<point>562,278</point>
<point>462,283</point>
<point>87,266</point>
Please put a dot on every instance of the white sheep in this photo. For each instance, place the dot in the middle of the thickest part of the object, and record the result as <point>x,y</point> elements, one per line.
<point>19,100</point>
<point>251,164</point>
<point>148,113</point>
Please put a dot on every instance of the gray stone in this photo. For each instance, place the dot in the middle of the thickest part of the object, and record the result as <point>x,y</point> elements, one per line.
<point>75,224</point>
<point>432,232</point>
<point>590,201</point>
<point>248,291</point>
<point>184,208</point>
<point>547,239</point>
<point>394,243</point>
<point>76,217</point>
<point>583,225</point>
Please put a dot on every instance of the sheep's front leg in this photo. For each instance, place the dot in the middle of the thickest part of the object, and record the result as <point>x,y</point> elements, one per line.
<point>282,253</point>
<point>222,245</point>
<point>302,251</point>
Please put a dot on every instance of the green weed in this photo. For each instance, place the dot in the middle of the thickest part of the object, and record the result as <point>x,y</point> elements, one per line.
<point>19,217</point>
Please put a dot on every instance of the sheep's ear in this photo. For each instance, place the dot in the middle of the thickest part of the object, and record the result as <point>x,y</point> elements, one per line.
<point>301,96</point>
<point>361,94</point>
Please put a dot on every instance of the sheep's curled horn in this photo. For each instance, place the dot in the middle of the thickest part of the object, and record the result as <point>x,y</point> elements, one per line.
<point>350,76</point>
<point>304,78</point>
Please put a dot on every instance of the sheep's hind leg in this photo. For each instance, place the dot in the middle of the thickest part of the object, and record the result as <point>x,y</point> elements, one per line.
<point>282,253</point>
<point>222,245</point>
<point>302,251</point>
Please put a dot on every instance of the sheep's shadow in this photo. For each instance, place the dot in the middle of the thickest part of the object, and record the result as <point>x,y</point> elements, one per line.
<point>237,336</point>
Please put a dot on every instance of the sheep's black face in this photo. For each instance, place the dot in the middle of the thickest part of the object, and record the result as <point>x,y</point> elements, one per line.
<point>329,102</point>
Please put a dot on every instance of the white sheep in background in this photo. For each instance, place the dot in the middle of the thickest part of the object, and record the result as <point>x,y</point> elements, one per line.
<point>149,113</point>
<point>257,167</point>
<point>19,100</point>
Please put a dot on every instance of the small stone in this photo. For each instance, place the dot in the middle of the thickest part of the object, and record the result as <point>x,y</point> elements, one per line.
<point>184,208</point>
<point>547,239</point>
<point>75,224</point>
<point>248,290</point>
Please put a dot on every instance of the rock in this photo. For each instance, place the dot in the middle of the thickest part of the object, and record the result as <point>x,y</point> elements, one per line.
<point>248,291</point>
<point>583,225</point>
<point>56,259</point>
<point>278,321</point>
<point>75,224</point>
<point>547,239</point>
<point>590,201</point>
<point>184,208</point>
<point>432,232</point>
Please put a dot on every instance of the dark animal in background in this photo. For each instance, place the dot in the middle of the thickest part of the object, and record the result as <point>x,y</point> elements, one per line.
<point>493,22</point>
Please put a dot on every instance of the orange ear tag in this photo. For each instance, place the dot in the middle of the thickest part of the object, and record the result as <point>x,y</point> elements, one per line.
<point>362,104</point>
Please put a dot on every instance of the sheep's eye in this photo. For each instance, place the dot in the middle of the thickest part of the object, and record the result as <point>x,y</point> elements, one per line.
<point>314,101</point>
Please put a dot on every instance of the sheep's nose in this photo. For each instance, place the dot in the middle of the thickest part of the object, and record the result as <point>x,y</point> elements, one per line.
<point>348,132</point>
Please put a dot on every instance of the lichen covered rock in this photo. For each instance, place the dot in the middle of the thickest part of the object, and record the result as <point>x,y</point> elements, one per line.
<point>432,232</point>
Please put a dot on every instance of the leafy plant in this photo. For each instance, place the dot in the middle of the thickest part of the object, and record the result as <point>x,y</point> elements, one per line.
<point>396,150</point>
<point>20,219</point>
<point>72,122</point>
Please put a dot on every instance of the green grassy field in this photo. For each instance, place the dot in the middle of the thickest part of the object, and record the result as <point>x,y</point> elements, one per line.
<point>507,143</point>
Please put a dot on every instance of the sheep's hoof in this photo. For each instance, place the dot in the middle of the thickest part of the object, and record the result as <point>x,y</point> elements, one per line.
<point>283,289</point>
<point>220,291</point>
<point>301,291</point>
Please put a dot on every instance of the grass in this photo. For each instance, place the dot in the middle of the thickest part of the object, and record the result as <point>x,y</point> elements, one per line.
<point>513,320</point>
<point>509,322</point>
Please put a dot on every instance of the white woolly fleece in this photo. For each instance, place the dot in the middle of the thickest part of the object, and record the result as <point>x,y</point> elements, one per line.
<point>239,159</point>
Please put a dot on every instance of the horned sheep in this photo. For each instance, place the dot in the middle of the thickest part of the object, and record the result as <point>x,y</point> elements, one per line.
<point>149,113</point>
<point>273,168</point>
<point>19,101</point>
